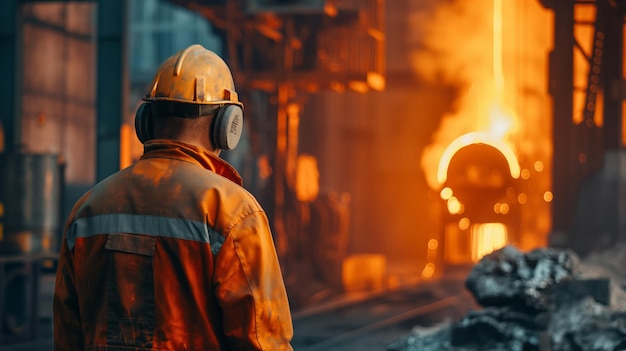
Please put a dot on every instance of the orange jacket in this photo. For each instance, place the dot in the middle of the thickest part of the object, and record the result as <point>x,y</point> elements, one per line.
<point>170,254</point>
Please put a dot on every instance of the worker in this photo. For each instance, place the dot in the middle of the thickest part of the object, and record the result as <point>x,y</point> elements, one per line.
<point>172,253</point>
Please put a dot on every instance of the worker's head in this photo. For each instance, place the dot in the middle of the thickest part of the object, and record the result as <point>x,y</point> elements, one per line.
<point>192,96</point>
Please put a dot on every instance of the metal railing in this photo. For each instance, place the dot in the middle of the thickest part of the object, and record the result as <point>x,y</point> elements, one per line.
<point>26,290</point>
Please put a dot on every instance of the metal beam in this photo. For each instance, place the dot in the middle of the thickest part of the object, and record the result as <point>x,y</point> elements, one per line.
<point>564,168</point>
<point>111,84</point>
<point>11,73</point>
<point>612,73</point>
<point>60,29</point>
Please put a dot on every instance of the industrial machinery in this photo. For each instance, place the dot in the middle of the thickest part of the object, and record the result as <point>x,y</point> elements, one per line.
<point>587,88</point>
<point>30,231</point>
<point>481,212</point>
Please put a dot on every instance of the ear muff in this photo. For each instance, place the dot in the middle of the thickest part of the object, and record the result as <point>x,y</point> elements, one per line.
<point>227,127</point>
<point>143,123</point>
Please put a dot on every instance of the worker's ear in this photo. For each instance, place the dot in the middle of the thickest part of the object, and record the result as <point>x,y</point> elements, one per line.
<point>143,123</point>
<point>227,127</point>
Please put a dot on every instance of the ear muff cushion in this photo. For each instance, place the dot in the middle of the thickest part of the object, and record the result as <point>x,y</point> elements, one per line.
<point>143,123</point>
<point>228,127</point>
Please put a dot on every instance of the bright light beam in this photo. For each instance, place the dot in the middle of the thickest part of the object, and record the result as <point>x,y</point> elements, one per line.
<point>477,138</point>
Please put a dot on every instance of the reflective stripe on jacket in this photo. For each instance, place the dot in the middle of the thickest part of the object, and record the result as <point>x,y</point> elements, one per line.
<point>170,254</point>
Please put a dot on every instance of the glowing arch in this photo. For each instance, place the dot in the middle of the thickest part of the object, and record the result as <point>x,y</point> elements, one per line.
<point>476,138</point>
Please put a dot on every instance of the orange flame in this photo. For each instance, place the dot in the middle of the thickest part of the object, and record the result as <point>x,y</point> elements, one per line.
<point>496,52</point>
<point>479,50</point>
<point>486,238</point>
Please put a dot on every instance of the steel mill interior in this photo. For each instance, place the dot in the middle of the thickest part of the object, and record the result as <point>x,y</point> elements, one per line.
<point>437,175</point>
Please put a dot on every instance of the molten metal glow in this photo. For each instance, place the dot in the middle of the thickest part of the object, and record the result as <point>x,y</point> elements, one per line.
<point>486,238</point>
<point>477,138</point>
<point>500,68</point>
<point>445,193</point>
<point>498,72</point>
<point>454,206</point>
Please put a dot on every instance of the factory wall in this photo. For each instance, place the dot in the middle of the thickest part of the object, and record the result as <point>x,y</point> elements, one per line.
<point>58,97</point>
<point>369,146</point>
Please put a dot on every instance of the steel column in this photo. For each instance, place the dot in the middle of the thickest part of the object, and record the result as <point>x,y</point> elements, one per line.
<point>612,73</point>
<point>111,85</point>
<point>11,73</point>
<point>564,172</point>
<point>612,77</point>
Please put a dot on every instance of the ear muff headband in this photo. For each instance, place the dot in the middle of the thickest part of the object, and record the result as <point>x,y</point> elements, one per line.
<point>143,123</point>
<point>227,127</point>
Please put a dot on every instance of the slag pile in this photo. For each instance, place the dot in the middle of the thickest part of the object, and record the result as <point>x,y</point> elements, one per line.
<point>545,300</point>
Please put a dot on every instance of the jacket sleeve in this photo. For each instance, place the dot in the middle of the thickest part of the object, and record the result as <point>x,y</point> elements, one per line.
<point>250,288</point>
<point>67,324</point>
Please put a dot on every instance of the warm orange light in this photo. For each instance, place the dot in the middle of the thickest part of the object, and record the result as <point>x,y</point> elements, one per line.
<point>464,223</point>
<point>522,198</point>
<point>432,244</point>
<point>364,272</point>
<point>525,174</point>
<point>428,271</point>
<point>492,103</point>
<point>454,206</point>
<point>503,65</point>
<point>358,86</point>
<point>131,148</point>
<point>547,196</point>
<point>486,238</point>
<point>502,208</point>
<point>307,178</point>
<point>498,72</point>
<point>264,167</point>
<point>477,138</point>
<point>583,35</point>
<point>376,81</point>
<point>624,78</point>
<point>126,135</point>
<point>598,117</point>
<point>338,87</point>
<point>510,192</point>
<point>330,10</point>
<point>445,193</point>
<point>431,255</point>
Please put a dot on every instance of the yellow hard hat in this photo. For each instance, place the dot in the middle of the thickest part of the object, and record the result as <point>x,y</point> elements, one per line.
<point>194,75</point>
<point>194,82</point>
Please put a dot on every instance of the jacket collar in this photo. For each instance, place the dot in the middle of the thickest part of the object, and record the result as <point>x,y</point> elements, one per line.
<point>179,150</point>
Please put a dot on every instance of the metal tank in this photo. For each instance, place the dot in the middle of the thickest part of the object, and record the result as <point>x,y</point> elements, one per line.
<point>30,189</point>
